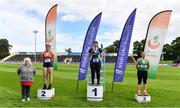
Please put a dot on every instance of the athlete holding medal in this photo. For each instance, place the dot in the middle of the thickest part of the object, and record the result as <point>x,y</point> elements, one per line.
<point>96,55</point>
<point>48,61</point>
<point>142,73</point>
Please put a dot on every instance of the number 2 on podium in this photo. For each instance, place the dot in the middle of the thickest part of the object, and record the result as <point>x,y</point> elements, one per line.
<point>95,91</point>
<point>43,93</point>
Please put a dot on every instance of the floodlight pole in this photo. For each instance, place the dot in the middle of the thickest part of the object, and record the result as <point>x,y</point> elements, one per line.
<point>35,33</point>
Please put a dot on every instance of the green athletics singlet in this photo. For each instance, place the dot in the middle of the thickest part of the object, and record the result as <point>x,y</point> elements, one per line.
<point>143,65</point>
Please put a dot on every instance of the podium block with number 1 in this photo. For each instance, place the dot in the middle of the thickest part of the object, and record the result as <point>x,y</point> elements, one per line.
<point>94,93</point>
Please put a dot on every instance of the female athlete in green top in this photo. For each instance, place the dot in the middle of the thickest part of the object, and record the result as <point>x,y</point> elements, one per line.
<point>142,73</point>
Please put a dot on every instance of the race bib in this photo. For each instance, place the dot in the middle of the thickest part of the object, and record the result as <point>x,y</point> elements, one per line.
<point>47,60</point>
<point>95,60</point>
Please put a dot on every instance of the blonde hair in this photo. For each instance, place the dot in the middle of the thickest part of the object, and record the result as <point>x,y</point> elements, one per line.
<point>27,59</point>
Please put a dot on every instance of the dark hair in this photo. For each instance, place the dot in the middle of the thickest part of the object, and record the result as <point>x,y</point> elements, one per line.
<point>48,45</point>
<point>95,42</point>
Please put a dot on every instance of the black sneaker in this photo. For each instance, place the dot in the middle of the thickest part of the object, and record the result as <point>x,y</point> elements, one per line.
<point>49,87</point>
<point>44,87</point>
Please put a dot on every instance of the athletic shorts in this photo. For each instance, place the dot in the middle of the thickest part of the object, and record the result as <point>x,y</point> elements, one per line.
<point>47,65</point>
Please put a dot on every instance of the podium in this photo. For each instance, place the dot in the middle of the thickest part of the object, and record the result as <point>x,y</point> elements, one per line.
<point>142,99</point>
<point>94,93</point>
<point>45,94</point>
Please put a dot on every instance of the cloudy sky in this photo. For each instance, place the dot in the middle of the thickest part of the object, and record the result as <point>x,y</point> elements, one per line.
<point>18,18</point>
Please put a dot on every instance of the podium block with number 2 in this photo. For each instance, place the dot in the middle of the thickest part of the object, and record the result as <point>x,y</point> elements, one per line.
<point>45,94</point>
<point>95,93</point>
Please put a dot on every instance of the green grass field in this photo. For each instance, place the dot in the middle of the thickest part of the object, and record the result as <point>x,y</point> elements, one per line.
<point>166,62</point>
<point>165,90</point>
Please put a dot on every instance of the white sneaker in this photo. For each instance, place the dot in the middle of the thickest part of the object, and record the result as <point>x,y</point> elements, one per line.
<point>28,99</point>
<point>23,100</point>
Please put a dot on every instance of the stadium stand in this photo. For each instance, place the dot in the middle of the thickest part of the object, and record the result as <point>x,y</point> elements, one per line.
<point>75,56</point>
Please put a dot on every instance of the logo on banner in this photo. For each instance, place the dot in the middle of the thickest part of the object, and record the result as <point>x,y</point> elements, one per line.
<point>82,70</point>
<point>50,37</point>
<point>154,42</point>
<point>120,72</point>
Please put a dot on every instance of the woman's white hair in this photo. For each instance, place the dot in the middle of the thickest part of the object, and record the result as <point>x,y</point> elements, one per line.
<point>27,59</point>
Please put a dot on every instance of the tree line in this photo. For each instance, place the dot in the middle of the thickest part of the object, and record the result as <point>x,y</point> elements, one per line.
<point>4,48</point>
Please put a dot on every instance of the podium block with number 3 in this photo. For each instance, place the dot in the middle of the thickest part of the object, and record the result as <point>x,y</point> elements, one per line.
<point>141,99</point>
<point>44,94</point>
<point>94,93</point>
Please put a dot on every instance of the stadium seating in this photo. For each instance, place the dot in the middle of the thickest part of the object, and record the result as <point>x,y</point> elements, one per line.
<point>19,56</point>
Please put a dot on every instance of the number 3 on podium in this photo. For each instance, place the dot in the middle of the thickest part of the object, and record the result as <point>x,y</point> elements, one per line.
<point>43,93</point>
<point>95,91</point>
<point>144,98</point>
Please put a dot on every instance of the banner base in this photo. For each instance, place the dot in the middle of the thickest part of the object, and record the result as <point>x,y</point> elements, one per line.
<point>55,67</point>
<point>142,99</point>
<point>45,94</point>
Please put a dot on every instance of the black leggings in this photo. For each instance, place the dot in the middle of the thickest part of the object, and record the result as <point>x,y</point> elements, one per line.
<point>25,91</point>
<point>142,75</point>
<point>95,68</point>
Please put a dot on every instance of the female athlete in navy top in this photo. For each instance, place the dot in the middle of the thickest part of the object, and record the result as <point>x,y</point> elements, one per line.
<point>96,54</point>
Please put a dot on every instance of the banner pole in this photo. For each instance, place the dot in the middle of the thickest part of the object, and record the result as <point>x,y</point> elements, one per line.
<point>104,69</point>
<point>112,87</point>
<point>77,86</point>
